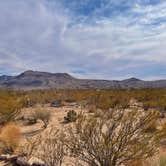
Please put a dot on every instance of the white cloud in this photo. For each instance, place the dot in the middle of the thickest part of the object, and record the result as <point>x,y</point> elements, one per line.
<point>35,35</point>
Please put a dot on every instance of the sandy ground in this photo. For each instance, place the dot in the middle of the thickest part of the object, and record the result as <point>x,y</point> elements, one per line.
<point>56,120</point>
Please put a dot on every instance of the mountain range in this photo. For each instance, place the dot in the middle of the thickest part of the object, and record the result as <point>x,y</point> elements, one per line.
<point>29,80</point>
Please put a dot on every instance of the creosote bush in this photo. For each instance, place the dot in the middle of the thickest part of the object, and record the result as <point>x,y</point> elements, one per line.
<point>114,138</point>
<point>104,99</point>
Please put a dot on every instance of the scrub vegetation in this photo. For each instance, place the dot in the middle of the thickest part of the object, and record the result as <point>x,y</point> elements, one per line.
<point>112,128</point>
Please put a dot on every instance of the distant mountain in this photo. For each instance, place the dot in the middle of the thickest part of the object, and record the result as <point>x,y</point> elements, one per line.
<point>132,80</point>
<point>43,80</point>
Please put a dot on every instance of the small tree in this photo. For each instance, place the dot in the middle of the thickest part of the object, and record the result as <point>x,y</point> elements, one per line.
<point>114,138</point>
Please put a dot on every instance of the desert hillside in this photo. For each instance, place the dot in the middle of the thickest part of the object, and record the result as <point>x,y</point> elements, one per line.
<point>43,80</point>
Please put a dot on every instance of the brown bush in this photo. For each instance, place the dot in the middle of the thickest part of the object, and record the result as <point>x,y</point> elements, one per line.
<point>9,137</point>
<point>91,108</point>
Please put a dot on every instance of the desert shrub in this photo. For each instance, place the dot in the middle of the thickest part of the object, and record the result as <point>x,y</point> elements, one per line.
<point>31,120</point>
<point>163,129</point>
<point>98,113</point>
<point>104,99</point>
<point>29,147</point>
<point>159,160</point>
<point>71,116</point>
<point>91,108</point>
<point>9,138</point>
<point>48,147</point>
<point>151,127</point>
<point>116,137</point>
<point>9,109</point>
<point>51,149</point>
<point>136,163</point>
<point>42,115</point>
<point>162,161</point>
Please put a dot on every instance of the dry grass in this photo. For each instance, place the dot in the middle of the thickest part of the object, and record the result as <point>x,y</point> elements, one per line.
<point>10,137</point>
<point>42,115</point>
<point>159,160</point>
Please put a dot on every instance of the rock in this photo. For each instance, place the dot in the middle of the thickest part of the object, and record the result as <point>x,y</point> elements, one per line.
<point>3,157</point>
<point>12,157</point>
<point>22,161</point>
<point>34,161</point>
<point>9,158</point>
<point>57,103</point>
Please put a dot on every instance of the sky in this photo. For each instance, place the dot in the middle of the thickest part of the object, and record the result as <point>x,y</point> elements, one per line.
<point>99,39</point>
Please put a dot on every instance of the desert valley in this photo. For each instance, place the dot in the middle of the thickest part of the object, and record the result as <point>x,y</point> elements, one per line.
<point>82,83</point>
<point>72,127</point>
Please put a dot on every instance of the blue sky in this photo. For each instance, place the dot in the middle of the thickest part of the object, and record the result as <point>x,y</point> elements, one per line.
<point>101,39</point>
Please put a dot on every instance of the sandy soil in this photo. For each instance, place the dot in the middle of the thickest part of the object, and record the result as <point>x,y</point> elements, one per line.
<point>56,120</point>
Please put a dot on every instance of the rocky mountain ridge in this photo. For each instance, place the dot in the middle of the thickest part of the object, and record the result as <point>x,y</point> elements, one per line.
<point>43,80</point>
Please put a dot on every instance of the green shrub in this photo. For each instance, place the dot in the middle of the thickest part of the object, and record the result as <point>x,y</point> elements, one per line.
<point>71,116</point>
<point>42,115</point>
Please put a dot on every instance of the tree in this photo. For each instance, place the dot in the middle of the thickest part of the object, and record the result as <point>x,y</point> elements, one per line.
<point>114,138</point>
